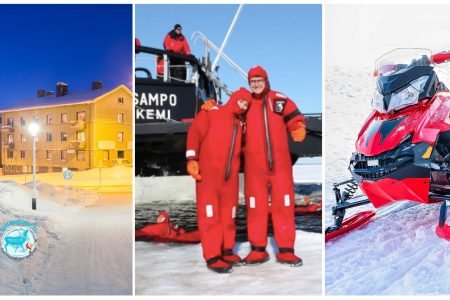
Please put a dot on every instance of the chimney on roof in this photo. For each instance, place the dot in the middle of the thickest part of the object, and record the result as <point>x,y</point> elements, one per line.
<point>96,85</point>
<point>61,89</point>
<point>40,93</point>
<point>49,93</point>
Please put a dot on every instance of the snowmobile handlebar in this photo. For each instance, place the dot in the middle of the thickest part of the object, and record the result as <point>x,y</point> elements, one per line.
<point>440,57</point>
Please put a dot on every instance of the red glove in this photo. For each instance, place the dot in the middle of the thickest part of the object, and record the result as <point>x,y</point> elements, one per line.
<point>299,134</point>
<point>193,169</point>
<point>208,104</point>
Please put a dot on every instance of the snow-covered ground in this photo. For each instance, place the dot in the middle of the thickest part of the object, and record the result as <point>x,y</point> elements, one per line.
<point>84,242</point>
<point>168,269</point>
<point>308,170</point>
<point>398,251</point>
<point>177,269</point>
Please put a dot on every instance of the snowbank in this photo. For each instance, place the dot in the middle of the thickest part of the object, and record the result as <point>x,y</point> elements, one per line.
<point>177,269</point>
<point>311,173</point>
<point>84,243</point>
<point>114,179</point>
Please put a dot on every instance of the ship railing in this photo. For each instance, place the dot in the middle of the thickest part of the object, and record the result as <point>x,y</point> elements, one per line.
<point>161,64</point>
<point>209,45</point>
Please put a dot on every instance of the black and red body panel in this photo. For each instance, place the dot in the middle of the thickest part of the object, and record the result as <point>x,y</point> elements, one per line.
<point>395,152</point>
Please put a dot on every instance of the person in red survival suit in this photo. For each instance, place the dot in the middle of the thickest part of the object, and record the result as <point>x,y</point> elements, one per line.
<point>168,228</point>
<point>268,169</point>
<point>213,153</point>
<point>163,228</point>
<point>177,43</point>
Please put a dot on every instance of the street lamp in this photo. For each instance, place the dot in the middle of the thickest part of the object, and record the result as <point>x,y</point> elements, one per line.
<point>33,128</point>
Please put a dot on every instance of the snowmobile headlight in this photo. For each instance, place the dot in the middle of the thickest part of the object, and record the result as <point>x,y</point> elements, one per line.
<point>406,97</point>
<point>377,102</point>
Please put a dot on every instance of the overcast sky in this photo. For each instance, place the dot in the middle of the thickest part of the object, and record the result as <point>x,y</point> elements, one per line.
<point>355,35</point>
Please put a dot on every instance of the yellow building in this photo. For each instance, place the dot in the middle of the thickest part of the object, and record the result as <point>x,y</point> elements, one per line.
<point>79,130</point>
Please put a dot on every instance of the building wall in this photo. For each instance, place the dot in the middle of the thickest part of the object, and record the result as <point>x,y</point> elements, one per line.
<point>105,129</point>
<point>100,125</point>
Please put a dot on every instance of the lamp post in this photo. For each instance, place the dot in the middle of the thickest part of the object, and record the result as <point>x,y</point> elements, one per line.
<point>33,128</point>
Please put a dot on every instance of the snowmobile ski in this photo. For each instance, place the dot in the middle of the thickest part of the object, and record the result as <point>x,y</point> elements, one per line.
<point>442,229</point>
<point>349,224</point>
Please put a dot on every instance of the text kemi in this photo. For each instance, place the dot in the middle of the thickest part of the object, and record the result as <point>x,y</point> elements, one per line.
<point>154,106</point>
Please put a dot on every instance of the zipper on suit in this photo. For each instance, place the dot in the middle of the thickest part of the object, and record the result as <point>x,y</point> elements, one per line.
<point>230,156</point>
<point>266,127</point>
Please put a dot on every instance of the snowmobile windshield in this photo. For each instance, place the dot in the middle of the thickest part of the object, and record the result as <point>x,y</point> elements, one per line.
<point>397,60</point>
<point>405,76</point>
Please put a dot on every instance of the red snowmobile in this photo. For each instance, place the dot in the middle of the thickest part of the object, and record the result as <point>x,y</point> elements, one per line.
<point>403,149</point>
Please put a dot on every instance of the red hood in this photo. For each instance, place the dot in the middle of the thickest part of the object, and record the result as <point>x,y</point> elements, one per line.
<point>383,132</point>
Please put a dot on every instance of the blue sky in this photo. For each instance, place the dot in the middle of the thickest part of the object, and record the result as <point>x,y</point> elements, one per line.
<point>76,44</point>
<point>284,39</point>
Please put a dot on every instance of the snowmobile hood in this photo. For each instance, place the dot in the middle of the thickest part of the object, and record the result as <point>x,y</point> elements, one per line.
<point>383,132</point>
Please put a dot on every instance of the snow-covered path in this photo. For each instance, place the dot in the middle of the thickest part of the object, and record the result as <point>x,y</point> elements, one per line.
<point>177,269</point>
<point>94,255</point>
<point>83,248</point>
<point>398,251</point>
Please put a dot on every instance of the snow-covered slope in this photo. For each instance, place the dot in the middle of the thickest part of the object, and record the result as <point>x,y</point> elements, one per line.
<point>398,251</point>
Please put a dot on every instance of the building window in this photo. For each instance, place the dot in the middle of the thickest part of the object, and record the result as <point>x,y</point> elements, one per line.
<point>10,122</point>
<point>120,154</point>
<point>49,119</point>
<point>120,100</point>
<point>49,136</point>
<point>120,118</point>
<point>81,136</point>
<point>63,136</point>
<point>10,153</point>
<point>22,154</point>
<point>23,139</point>
<point>81,116</point>
<point>63,118</point>
<point>10,138</point>
<point>49,154</point>
<point>120,136</point>
<point>105,154</point>
<point>22,121</point>
<point>81,155</point>
<point>63,154</point>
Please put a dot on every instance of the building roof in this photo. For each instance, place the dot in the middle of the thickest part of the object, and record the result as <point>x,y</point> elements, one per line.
<point>71,98</point>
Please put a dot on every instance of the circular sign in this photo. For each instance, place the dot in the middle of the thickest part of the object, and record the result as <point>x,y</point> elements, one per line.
<point>67,174</point>
<point>18,242</point>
